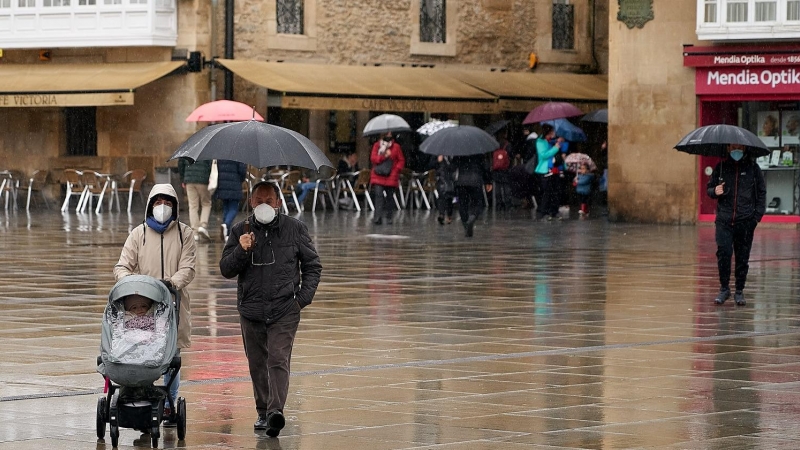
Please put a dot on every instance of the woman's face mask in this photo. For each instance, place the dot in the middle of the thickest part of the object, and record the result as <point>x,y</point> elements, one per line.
<point>264,213</point>
<point>736,155</point>
<point>162,213</point>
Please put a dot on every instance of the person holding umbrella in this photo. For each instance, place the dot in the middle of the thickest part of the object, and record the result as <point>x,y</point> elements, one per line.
<point>472,176</point>
<point>737,184</point>
<point>387,162</point>
<point>278,272</point>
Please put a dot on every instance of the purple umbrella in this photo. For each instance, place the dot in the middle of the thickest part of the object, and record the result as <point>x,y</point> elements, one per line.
<point>552,111</point>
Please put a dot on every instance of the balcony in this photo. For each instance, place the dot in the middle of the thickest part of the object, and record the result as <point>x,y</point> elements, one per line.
<point>87,23</point>
<point>751,20</point>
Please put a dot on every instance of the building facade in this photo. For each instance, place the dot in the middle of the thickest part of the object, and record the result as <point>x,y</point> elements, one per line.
<point>106,85</point>
<point>696,63</point>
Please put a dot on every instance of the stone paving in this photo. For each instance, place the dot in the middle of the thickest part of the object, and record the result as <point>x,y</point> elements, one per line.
<point>577,334</point>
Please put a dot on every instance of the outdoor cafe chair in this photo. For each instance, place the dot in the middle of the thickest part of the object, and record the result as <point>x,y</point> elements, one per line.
<point>95,185</point>
<point>288,184</point>
<point>9,185</point>
<point>73,179</point>
<point>131,183</point>
<point>416,191</point>
<point>325,186</point>
<point>37,183</point>
<point>361,187</point>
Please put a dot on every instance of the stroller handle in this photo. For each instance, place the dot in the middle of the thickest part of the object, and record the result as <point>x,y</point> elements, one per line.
<point>177,295</point>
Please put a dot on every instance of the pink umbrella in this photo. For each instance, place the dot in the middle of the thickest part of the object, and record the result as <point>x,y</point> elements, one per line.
<point>552,111</point>
<point>224,110</point>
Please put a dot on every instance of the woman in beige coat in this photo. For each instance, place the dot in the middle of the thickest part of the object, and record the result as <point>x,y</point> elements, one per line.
<point>163,248</point>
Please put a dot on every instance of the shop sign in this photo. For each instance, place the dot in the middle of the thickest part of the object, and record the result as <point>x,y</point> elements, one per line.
<point>64,100</point>
<point>741,80</point>
<point>739,60</point>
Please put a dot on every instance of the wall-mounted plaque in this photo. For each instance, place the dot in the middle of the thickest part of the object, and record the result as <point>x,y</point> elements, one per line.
<point>635,13</point>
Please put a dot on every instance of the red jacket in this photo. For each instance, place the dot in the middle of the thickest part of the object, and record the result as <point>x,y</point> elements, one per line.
<point>393,179</point>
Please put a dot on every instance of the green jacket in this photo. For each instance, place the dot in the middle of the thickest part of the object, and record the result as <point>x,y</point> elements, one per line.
<point>196,173</point>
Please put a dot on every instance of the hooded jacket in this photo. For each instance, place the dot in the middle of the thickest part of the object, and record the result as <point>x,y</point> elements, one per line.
<point>745,196</point>
<point>279,273</point>
<point>168,256</point>
<point>398,163</point>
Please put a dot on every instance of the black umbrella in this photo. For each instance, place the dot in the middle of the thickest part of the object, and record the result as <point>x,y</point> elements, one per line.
<point>255,143</point>
<point>494,127</point>
<point>599,116</point>
<point>462,140</point>
<point>713,140</point>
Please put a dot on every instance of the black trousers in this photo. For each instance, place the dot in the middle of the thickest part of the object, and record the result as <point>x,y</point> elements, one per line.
<point>383,205</point>
<point>736,239</point>
<point>445,203</point>
<point>470,202</point>
<point>551,196</point>
<point>268,348</point>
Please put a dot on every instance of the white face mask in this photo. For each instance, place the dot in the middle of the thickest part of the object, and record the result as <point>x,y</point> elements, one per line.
<point>264,213</point>
<point>162,213</point>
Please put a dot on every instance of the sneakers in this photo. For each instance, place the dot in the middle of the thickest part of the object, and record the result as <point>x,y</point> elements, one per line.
<point>275,422</point>
<point>724,294</point>
<point>738,298</point>
<point>203,232</point>
<point>261,422</point>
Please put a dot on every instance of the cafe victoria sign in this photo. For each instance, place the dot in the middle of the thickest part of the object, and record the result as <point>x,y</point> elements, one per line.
<point>65,100</point>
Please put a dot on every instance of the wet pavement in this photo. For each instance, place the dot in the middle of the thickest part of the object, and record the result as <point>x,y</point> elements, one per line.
<point>577,334</point>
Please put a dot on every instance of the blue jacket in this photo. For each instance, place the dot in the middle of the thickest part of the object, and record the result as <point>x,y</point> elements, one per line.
<point>230,176</point>
<point>584,183</point>
<point>545,152</point>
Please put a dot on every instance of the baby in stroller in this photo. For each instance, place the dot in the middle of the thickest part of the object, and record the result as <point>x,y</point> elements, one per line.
<point>138,344</point>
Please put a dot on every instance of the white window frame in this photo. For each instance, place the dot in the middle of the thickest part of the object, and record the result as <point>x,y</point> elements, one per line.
<point>722,30</point>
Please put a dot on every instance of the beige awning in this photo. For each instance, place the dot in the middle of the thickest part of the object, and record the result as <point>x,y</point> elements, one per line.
<point>364,88</point>
<point>523,91</point>
<point>60,85</point>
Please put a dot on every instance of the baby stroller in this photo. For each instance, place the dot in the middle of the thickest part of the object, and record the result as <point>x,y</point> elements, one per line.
<point>131,360</point>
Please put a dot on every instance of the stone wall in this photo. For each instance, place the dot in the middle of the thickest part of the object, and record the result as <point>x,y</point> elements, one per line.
<point>652,102</point>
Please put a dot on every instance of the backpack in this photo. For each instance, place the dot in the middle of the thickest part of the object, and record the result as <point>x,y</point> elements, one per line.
<point>530,165</point>
<point>500,161</point>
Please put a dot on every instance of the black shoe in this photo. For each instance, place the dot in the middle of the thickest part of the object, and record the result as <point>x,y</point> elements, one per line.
<point>723,295</point>
<point>389,221</point>
<point>440,219</point>
<point>738,298</point>
<point>377,221</point>
<point>276,422</point>
<point>261,423</point>
<point>470,225</point>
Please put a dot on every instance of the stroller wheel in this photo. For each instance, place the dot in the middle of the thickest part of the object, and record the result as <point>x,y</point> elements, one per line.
<point>181,418</point>
<point>101,418</point>
<point>114,431</point>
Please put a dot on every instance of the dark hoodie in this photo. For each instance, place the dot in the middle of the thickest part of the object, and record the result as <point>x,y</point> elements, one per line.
<point>745,195</point>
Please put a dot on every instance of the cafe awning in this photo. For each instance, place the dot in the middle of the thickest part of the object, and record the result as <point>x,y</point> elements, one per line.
<point>407,89</point>
<point>70,85</point>
<point>523,91</point>
<point>363,88</point>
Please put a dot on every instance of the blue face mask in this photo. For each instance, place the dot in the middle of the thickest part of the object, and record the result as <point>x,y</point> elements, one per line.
<point>736,155</point>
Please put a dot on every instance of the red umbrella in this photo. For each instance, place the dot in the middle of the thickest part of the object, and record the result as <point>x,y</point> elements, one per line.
<point>224,110</point>
<point>552,111</point>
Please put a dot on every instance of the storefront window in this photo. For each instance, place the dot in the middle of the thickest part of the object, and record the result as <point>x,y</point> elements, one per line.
<point>778,126</point>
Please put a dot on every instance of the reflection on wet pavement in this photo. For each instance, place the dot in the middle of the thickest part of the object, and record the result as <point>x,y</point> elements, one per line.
<point>553,335</point>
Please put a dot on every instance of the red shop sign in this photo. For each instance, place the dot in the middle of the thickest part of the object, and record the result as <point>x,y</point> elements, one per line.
<point>747,80</point>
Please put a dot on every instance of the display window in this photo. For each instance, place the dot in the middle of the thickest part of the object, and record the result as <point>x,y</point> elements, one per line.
<point>757,89</point>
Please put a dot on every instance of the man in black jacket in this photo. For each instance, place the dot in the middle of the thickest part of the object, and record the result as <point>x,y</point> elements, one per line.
<point>738,185</point>
<point>278,271</point>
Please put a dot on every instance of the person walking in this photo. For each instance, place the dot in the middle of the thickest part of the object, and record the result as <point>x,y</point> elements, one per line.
<point>445,185</point>
<point>194,180</point>
<point>163,248</point>
<point>230,176</point>
<point>277,270</point>
<point>385,183</point>
<point>550,181</point>
<point>737,184</point>
<point>472,176</point>
<point>501,164</point>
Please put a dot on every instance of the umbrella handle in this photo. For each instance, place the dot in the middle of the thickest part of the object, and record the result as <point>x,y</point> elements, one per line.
<point>247,226</point>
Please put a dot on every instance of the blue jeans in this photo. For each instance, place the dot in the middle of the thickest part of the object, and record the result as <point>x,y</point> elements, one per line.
<point>229,210</point>
<point>303,189</point>
<point>173,390</point>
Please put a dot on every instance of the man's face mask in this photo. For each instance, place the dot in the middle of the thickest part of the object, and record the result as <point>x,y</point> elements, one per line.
<point>162,213</point>
<point>736,155</point>
<point>387,138</point>
<point>264,213</point>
